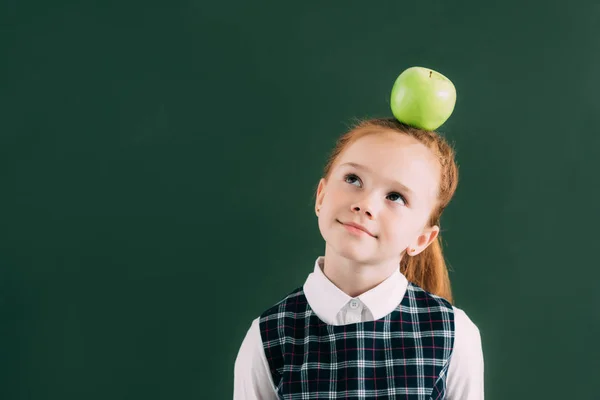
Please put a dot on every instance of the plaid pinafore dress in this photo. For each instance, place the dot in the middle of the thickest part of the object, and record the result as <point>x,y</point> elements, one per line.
<point>404,355</point>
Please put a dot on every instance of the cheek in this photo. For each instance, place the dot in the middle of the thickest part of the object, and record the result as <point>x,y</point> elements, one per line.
<point>325,225</point>
<point>343,196</point>
<point>328,216</point>
<point>397,229</point>
<point>335,199</point>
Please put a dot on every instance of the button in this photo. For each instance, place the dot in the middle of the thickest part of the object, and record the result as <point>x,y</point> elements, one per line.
<point>354,304</point>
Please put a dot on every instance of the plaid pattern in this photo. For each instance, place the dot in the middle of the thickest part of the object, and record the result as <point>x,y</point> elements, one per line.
<point>404,355</point>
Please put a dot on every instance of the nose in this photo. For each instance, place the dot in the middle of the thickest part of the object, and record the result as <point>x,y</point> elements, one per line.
<point>363,209</point>
<point>366,204</point>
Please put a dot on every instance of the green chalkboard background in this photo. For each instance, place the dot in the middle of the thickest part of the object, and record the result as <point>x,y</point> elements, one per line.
<point>158,162</point>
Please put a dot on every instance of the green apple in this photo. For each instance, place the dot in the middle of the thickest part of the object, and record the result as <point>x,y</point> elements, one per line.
<point>423,98</point>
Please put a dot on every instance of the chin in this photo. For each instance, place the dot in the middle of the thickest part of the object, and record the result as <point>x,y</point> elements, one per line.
<point>350,250</point>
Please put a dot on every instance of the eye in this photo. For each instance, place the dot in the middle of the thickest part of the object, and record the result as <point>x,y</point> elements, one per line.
<point>351,176</point>
<point>354,176</point>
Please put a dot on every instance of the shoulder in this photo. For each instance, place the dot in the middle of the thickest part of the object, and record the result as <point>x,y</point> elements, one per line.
<point>252,342</point>
<point>465,326</point>
<point>289,300</point>
<point>428,299</point>
<point>467,338</point>
<point>250,353</point>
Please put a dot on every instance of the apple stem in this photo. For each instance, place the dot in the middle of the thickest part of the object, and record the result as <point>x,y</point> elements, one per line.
<point>430,74</point>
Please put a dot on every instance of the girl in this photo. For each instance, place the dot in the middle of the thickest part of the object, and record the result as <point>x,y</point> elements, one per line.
<point>375,318</point>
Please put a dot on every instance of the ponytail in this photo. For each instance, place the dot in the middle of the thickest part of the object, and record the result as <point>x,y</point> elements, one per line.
<point>428,270</point>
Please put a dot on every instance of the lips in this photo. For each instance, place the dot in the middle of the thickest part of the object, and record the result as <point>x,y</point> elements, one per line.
<point>358,226</point>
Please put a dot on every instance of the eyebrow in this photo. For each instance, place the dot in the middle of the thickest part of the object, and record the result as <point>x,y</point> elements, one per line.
<point>364,168</point>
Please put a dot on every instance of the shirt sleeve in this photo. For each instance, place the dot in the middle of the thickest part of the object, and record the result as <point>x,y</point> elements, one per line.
<point>465,372</point>
<point>252,377</point>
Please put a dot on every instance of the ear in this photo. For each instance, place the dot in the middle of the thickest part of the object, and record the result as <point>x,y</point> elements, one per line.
<point>320,194</point>
<point>425,239</point>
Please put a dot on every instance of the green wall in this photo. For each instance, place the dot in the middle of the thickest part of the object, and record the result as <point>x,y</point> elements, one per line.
<point>158,163</point>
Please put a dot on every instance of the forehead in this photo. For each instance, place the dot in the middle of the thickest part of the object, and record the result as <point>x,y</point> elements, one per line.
<point>396,157</point>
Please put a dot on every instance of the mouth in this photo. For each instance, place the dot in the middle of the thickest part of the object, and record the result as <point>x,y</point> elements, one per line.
<point>356,229</point>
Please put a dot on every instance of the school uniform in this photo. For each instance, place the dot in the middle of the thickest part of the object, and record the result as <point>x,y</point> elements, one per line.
<point>395,341</point>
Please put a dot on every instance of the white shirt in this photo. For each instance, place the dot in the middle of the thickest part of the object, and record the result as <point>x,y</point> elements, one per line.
<point>253,380</point>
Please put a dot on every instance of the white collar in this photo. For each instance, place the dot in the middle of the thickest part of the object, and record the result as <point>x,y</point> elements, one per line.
<point>327,300</point>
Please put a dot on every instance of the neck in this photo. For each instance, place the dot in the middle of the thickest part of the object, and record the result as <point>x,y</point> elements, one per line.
<point>355,277</point>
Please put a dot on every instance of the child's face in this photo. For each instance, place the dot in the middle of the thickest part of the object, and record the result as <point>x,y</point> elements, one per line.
<point>371,198</point>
